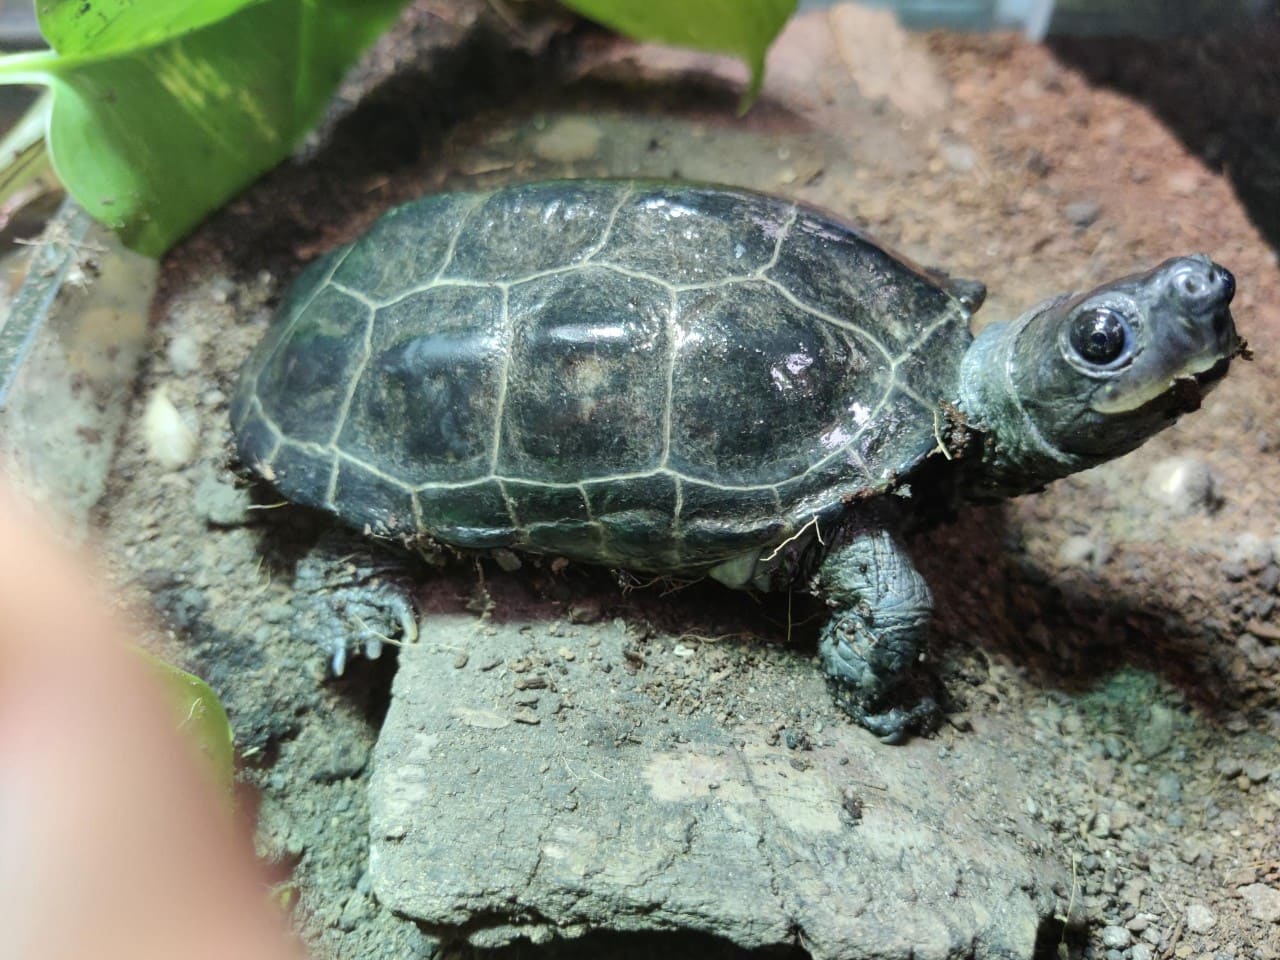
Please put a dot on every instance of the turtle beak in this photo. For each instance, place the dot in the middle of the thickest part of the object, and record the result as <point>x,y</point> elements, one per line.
<point>1189,392</point>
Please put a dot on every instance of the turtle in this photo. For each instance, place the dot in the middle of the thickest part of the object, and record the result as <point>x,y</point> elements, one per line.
<point>693,380</point>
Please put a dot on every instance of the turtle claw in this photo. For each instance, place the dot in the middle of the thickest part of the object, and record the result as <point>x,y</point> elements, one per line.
<point>896,724</point>
<point>372,614</point>
<point>347,603</point>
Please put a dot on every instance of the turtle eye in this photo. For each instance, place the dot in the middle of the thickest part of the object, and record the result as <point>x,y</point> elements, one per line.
<point>1099,336</point>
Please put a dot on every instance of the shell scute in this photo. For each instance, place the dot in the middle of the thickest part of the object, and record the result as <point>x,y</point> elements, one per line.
<point>304,470</point>
<point>368,498</point>
<point>636,516</point>
<point>410,243</point>
<point>531,228</point>
<point>535,501</point>
<point>688,235</point>
<point>586,386</point>
<point>304,383</point>
<point>833,267</point>
<point>763,387</point>
<point>432,380</point>
<point>474,514</point>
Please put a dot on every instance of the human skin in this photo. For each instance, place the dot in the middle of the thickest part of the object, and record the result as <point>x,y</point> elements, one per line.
<point>114,843</point>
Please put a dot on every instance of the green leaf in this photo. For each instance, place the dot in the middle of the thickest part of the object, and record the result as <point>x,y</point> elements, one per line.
<point>164,109</point>
<point>199,715</point>
<point>741,28</point>
<point>101,26</point>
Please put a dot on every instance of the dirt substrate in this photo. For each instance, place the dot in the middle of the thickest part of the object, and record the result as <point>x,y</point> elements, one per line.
<point>1126,618</point>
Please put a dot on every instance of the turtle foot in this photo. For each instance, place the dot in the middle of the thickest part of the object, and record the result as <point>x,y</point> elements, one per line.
<point>872,645</point>
<point>876,680</point>
<point>352,601</point>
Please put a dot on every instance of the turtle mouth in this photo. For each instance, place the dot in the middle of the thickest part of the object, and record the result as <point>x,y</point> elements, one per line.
<point>1181,393</point>
<point>1208,379</point>
<point>1189,390</point>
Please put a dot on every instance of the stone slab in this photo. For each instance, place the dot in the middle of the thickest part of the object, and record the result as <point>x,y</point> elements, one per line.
<point>528,782</point>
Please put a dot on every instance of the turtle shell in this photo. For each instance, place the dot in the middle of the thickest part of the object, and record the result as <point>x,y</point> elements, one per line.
<point>655,376</point>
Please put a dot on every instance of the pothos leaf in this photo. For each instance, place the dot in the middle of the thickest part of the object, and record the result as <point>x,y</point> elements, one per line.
<point>198,714</point>
<point>164,109</point>
<point>741,28</point>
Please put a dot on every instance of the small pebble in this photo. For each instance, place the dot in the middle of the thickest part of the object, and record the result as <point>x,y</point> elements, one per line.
<point>1263,902</point>
<point>1249,551</point>
<point>1141,951</point>
<point>1169,787</point>
<point>1121,817</point>
<point>1155,734</point>
<point>1115,937</point>
<point>1082,213</point>
<point>1258,771</point>
<point>183,354</point>
<point>1183,484</point>
<point>171,441</point>
<point>1269,579</point>
<point>1200,919</point>
<point>1229,767</point>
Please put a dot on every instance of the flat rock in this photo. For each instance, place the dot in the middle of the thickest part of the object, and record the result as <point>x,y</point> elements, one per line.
<point>614,813</point>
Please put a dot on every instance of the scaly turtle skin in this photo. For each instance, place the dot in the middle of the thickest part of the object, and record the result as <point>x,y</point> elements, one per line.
<point>691,380</point>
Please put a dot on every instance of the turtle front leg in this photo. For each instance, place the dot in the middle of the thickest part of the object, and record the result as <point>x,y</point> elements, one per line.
<point>881,606</point>
<point>349,599</point>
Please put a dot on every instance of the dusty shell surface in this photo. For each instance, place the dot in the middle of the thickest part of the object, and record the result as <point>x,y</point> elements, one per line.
<point>1123,647</point>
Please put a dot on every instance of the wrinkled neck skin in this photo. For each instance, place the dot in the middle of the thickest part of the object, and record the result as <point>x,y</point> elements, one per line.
<point>1015,457</point>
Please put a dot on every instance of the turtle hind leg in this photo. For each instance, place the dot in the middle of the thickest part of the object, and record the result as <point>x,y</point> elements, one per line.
<point>350,597</point>
<point>876,634</point>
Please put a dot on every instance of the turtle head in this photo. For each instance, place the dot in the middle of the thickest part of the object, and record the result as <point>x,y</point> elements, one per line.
<point>1087,377</point>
